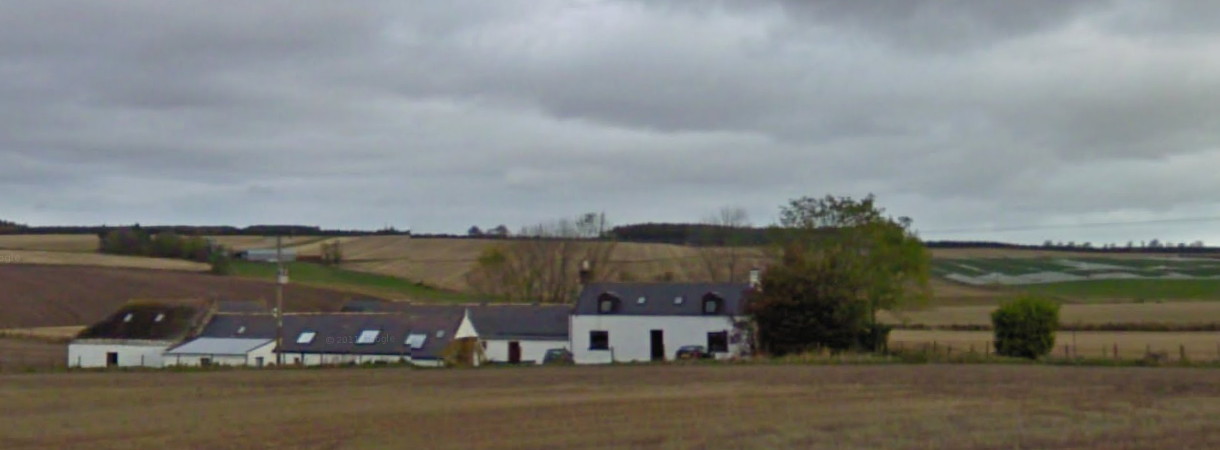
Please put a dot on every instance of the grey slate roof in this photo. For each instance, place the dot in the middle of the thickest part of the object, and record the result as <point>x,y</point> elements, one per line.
<point>169,320</point>
<point>337,333</point>
<point>218,346</point>
<point>493,321</point>
<point>659,298</point>
<point>239,306</point>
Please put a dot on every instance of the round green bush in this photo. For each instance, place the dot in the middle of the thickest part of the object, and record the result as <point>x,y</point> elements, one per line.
<point>1025,326</point>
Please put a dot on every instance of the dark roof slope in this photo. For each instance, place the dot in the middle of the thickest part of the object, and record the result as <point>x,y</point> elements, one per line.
<point>339,333</point>
<point>492,321</point>
<point>150,320</point>
<point>660,298</point>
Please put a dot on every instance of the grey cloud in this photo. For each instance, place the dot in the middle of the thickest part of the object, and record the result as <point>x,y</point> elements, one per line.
<point>441,115</point>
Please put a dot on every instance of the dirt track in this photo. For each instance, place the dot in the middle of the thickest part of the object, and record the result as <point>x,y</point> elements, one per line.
<point>758,406</point>
<point>41,296</point>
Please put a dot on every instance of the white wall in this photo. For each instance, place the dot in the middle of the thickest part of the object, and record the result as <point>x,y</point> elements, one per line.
<point>318,359</point>
<point>131,354</point>
<point>532,350</point>
<point>630,336</point>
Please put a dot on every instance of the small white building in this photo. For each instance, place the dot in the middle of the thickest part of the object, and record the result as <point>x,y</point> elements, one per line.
<point>208,351</point>
<point>631,322</point>
<point>137,335</point>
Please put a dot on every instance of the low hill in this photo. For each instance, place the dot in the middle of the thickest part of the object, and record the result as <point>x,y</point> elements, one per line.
<point>42,296</point>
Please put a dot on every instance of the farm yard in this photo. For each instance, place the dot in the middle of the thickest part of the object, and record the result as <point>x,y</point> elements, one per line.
<point>754,406</point>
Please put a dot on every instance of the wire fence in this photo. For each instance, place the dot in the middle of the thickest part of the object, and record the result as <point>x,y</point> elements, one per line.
<point>1193,351</point>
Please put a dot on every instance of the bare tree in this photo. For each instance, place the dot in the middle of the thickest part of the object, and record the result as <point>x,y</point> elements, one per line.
<point>543,264</point>
<point>722,252</point>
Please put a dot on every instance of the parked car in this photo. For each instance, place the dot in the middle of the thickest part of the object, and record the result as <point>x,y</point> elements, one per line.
<point>557,356</point>
<point>693,352</point>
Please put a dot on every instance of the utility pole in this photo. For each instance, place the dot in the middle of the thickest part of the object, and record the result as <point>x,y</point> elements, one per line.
<point>281,279</point>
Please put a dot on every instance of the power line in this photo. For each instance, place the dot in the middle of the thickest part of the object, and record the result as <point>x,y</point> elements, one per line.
<point>1078,225</point>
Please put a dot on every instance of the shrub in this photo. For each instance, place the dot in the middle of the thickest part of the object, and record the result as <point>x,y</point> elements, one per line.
<point>1025,326</point>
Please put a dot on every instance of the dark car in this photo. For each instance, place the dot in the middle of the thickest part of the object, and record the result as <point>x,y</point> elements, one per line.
<point>693,352</point>
<point>557,356</point>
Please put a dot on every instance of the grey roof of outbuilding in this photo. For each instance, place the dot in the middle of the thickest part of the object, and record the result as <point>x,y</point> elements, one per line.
<point>160,320</point>
<point>250,326</point>
<point>218,346</point>
<point>660,298</point>
<point>492,321</point>
<point>337,333</point>
<point>240,306</point>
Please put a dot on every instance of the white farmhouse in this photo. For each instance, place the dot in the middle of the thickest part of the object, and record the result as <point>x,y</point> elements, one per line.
<point>138,334</point>
<point>625,322</point>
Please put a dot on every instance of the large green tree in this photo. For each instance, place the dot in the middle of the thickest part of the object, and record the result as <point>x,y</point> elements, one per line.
<point>865,260</point>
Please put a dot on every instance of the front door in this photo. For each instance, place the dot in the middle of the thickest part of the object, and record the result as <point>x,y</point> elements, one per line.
<point>112,359</point>
<point>658,345</point>
<point>514,352</point>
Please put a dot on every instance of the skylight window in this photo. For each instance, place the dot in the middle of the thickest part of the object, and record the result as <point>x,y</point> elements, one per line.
<point>642,300</point>
<point>368,337</point>
<point>241,329</point>
<point>440,334</point>
<point>127,318</point>
<point>160,317</point>
<point>306,337</point>
<point>678,300</point>
<point>416,340</point>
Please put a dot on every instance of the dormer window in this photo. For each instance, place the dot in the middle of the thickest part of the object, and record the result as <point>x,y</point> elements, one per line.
<point>712,304</point>
<point>608,303</point>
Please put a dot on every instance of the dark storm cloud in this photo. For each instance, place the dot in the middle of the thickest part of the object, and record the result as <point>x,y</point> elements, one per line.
<point>438,115</point>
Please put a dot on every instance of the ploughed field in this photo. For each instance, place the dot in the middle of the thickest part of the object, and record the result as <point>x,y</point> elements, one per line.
<point>700,406</point>
<point>43,296</point>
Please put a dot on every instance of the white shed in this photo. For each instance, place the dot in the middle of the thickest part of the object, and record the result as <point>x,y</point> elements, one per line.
<point>208,351</point>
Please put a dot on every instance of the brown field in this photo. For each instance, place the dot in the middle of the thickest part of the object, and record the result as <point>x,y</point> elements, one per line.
<point>45,296</point>
<point>49,242</point>
<point>1199,346</point>
<point>754,406</point>
<point>18,355</point>
<point>9,257</point>
<point>1173,313</point>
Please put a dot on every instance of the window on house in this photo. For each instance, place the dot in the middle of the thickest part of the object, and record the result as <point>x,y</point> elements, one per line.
<point>599,340</point>
<point>368,337</point>
<point>712,304</point>
<point>416,340</point>
<point>306,337</point>
<point>718,342</point>
<point>605,306</point>
<point>160,317</point>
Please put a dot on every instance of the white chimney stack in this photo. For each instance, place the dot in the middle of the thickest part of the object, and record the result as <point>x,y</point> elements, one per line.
<point>755,278</point>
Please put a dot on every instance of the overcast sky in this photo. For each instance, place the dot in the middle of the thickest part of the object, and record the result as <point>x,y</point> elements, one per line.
<point>967,116</point>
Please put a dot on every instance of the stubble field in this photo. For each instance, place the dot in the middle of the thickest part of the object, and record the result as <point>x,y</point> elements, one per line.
<point>755,406</point>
